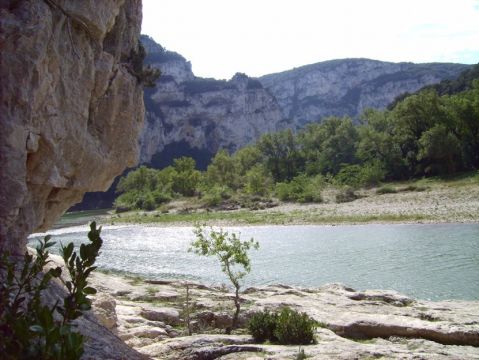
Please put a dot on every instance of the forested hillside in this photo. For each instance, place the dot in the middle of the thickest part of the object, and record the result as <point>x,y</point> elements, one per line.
<point>424,134</point>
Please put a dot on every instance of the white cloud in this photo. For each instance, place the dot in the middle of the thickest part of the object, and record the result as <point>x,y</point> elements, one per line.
<point>258,37</point>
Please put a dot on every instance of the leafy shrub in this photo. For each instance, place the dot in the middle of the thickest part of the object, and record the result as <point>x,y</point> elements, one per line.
<point>349,175</point>
<point>372,174</point>
<point>146,75</point>
<point>386,190</point>
<point>216,195</point>
<point>186,178</point>
<point>288,327</point>
<point>29,329</point>
<point>161,197</point>
<point>346,194</point>
<point>294,328</point>
<point>257,182</point>
<point>360,175</point>
<point>301,189</point>
<point>262,326</point>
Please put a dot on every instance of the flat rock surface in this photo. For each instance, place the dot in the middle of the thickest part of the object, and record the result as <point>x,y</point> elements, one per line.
<point>354,324</point>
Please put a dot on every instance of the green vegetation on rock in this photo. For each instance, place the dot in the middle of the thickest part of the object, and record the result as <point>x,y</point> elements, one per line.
<point>31,328</point>
<point>286,327</point>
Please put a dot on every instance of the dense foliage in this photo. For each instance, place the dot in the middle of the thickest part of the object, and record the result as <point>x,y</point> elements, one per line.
<point>287,327</point>
<point>424,134</point>
<point>31,329</point>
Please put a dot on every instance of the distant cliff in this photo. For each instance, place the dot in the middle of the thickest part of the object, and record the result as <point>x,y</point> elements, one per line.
<point>203,114</point>
<point>348,86</point>
<point>188,115</point>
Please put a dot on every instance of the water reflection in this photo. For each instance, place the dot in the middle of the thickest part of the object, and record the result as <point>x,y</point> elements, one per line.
<point>439,261</point>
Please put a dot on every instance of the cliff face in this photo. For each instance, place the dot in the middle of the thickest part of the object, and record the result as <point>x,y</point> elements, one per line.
<point>208,114</point>
<point>347,87</point>
<point>71,110</point>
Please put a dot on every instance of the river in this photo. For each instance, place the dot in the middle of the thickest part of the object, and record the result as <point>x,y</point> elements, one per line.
<point>425,261</point>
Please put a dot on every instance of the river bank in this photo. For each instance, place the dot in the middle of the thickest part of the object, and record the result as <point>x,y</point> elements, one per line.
<point>150,316</point>
<point>424,201</point>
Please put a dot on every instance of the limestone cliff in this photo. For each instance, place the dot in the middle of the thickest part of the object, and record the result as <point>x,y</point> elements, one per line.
<point>70,108</point>
<point>348,86</point>
<point>206,114</point>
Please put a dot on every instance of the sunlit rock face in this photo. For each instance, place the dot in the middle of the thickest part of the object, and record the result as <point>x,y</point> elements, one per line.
<point>207,114</point>
<point>70,108</point>
<point>349,86</point>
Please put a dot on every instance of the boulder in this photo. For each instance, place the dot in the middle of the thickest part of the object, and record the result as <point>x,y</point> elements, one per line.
<point>169,316</point>
<point>104,310</point>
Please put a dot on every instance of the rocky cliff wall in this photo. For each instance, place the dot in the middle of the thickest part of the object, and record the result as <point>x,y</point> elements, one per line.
<point>208,114</point>
<point>70,109</point>
<point>349,86</point>
<point>204,114</point>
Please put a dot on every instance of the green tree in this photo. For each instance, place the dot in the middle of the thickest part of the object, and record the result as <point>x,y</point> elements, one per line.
<point>246,158</point>
<point>232,254</point>
<point>339,146</point>
<point>378,145</point>
<point>413,116</point>
<point>186,179</point>
<point>257,181</point>
<point>281,154</point>
<point>222,171</point>
<point>438,148</point>
<point>463,110</point>
<point>141,179</point>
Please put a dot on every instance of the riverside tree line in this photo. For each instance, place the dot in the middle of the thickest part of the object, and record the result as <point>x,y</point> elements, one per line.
<point>432,132</point>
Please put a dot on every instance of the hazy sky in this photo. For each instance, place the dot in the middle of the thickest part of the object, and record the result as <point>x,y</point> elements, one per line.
<point>257,37</point>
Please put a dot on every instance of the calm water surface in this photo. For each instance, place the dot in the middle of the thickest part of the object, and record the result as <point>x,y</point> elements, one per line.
<point>439,261</point>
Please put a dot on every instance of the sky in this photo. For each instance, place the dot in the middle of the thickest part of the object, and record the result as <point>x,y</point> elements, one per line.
<point>259,37</point>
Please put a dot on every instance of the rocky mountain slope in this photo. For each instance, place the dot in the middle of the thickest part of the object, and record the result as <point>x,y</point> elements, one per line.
<point>203,115</point>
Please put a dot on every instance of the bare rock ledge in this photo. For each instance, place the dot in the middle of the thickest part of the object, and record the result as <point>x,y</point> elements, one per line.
<point>354,324</point>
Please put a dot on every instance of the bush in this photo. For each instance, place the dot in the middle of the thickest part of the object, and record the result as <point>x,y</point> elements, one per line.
<point>372,174</point>
<point>262,326</point>
<point>288,327</point>
<point>215,195</point>
<point>294,328</point>
<point>360,175</point>
<point>31,329</point>
<point>161,197</point>
<point>256,181</point>
<point>346,194</point>
<point>301,189</point>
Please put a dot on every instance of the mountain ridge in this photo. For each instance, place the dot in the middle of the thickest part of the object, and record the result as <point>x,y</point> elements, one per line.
<point>209,114</point>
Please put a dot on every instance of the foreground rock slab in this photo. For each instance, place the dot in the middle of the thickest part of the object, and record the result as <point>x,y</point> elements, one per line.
<point>354,324</point>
